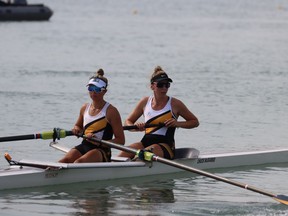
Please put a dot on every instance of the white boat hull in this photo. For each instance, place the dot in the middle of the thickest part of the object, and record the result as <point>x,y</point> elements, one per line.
<point>22,177</point>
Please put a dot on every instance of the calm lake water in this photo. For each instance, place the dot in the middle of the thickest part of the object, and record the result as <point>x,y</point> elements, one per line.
<point>228,60</point>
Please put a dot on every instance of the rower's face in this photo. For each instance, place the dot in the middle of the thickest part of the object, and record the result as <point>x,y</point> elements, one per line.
<point>161,87</point>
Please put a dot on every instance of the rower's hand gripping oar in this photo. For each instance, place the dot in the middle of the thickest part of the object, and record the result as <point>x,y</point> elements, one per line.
<point>57,133</point>
<point>130,127</point>
<point>149,156</point>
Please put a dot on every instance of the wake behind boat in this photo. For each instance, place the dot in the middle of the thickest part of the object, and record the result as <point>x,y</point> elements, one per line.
<point>27,173</point>
<point>21,11</point>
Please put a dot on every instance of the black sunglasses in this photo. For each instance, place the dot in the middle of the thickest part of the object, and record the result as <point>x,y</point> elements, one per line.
<point>163,84</point>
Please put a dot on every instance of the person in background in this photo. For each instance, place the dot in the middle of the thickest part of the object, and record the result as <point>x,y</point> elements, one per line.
<point>98,119</point>
<point>163,110</point>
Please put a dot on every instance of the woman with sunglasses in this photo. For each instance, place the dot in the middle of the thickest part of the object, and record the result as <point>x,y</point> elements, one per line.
<point>97,119</point>
<point>162,110</point>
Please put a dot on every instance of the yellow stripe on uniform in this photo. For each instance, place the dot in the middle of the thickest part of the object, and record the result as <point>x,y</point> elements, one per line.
<point>96,126</point>
<point>157,120</point>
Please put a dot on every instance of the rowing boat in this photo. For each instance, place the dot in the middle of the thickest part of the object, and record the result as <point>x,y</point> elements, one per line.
<point>30,173</point>
<point>25,173</point>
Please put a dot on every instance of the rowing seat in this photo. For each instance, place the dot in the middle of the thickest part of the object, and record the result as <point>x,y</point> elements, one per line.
<point>182,153</point>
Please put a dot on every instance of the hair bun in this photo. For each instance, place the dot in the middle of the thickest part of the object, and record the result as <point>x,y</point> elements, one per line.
<point>157,69</point>
<point>100,72</point>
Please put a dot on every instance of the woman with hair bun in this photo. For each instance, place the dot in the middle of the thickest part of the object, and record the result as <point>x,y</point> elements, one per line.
<point>163,110</point>
<point>96,119</point>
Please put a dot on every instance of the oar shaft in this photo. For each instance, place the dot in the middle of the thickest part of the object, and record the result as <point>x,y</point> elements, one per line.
<point>62,133</point>
<point>19,137</point>
<point>112,145</point>
<point>210,175</point>
<point>131,127</point>
<point>44,135</point>
<point>280,198</point>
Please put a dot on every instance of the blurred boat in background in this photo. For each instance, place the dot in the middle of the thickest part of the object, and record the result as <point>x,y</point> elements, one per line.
<point>20,10</point>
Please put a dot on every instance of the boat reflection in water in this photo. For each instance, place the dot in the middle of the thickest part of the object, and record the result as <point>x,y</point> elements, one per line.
<point>96,198</point>
<point>20,10</point>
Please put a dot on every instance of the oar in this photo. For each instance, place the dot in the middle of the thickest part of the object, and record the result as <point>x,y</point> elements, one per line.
<point>55,134</point>
<point>130,127</point>
<point>60,133</point>
<point>149,156</point>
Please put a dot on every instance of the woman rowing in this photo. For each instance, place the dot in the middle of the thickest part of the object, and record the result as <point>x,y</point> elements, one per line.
<point>163,110</point>
<point>97,119</point>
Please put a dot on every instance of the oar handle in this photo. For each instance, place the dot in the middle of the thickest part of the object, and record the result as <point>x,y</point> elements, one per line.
<point>130,127</point>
